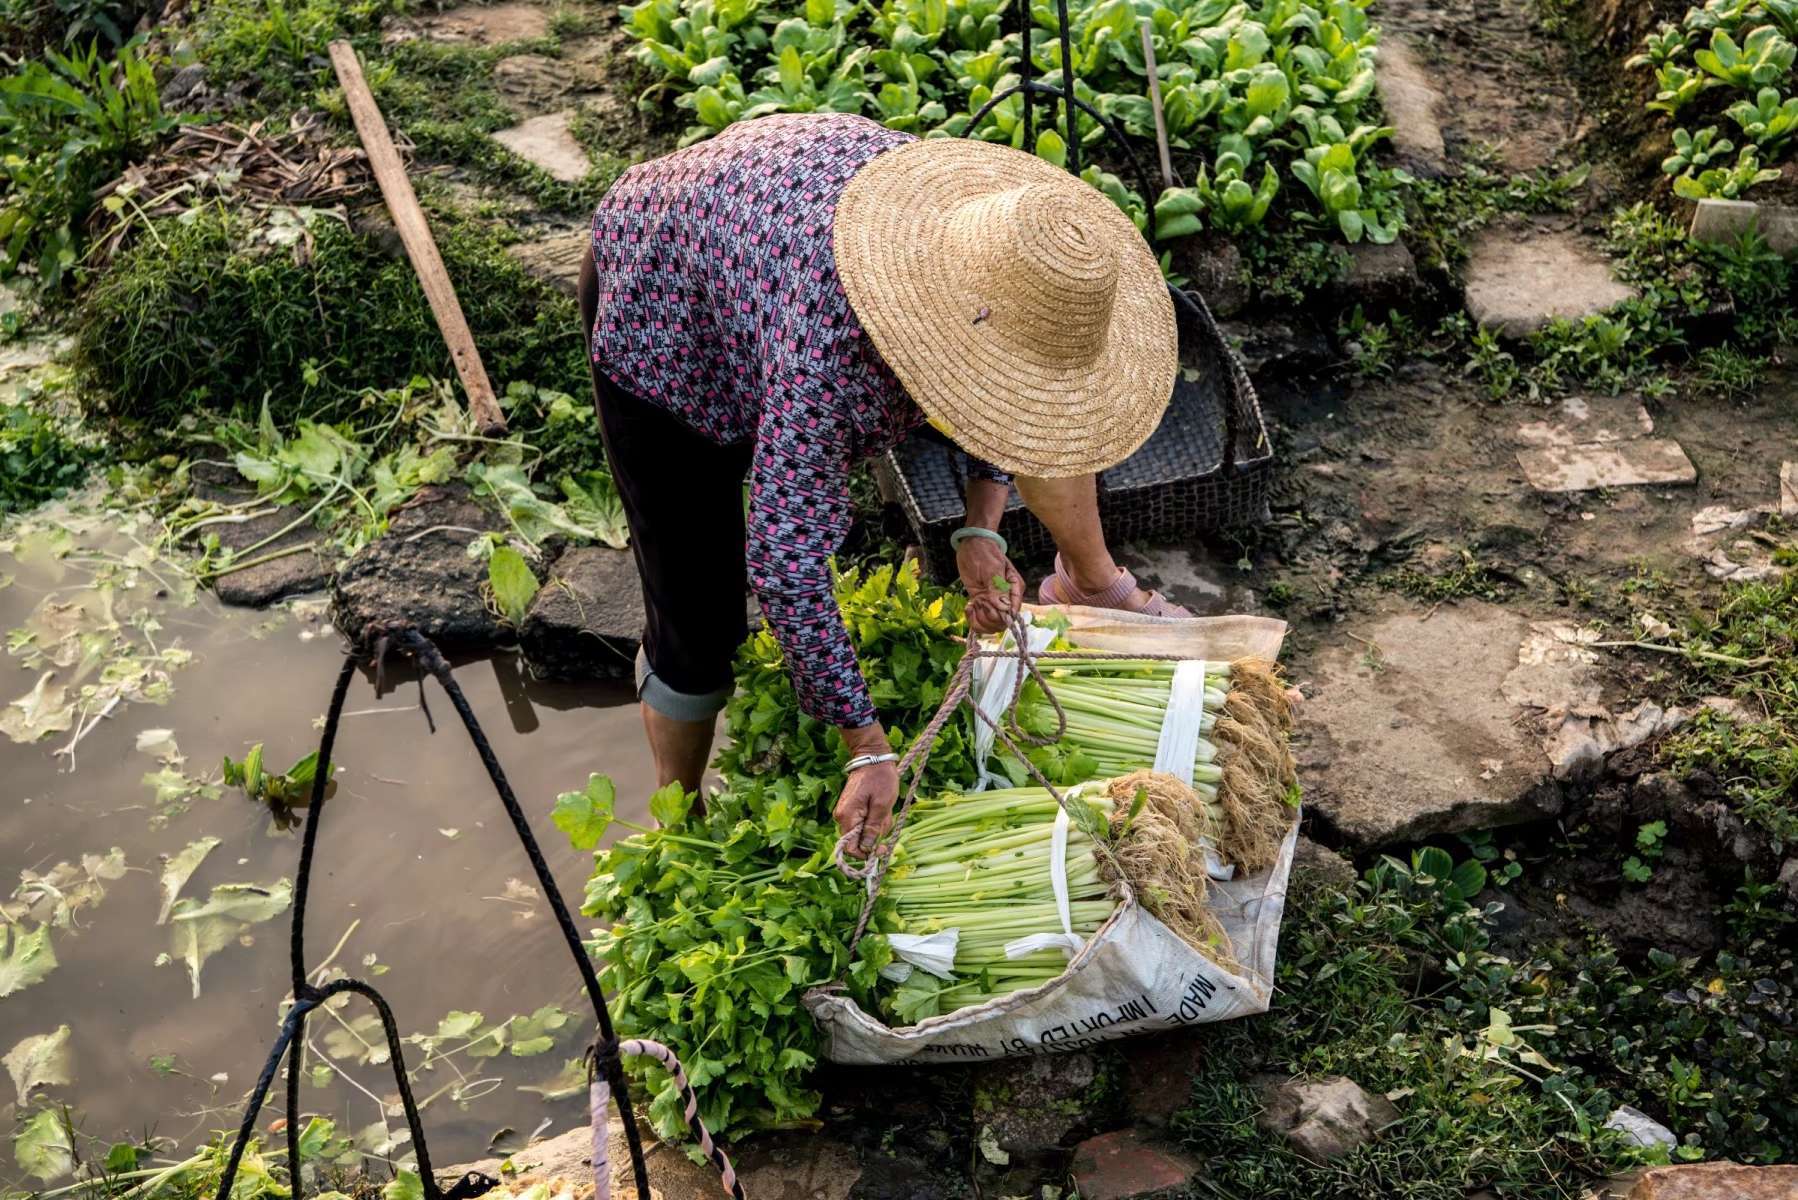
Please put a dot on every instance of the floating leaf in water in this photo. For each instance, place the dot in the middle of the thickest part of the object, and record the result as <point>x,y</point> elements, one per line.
<point>359,1041</point>
<point>42,1146</point>
<point>39,1061</point>
<point>54,897</point>
<point>200,930</point>
<point>585,815</point>
<point>44,710</point>
<point>571,1081</point>
<point>176,870</point>
<point>536,1033</point>
<point>160,745</point>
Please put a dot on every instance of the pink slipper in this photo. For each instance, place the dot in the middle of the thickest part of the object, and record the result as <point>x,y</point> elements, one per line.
<point>1060,588</point>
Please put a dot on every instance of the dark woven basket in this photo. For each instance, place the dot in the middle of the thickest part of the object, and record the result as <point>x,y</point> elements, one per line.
<point>1205,468</point>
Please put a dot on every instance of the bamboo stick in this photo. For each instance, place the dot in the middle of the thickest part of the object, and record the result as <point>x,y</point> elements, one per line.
<point>415,235</point>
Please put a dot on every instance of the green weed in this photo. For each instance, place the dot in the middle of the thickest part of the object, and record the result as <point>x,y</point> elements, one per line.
<point>1748,649</point>
<point>67,123</point>
<point>218,317</point>
<point>1471,578</point>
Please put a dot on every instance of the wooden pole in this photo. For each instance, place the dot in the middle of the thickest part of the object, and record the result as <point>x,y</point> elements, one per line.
<point>1148,57</point>
<point>415,235</point>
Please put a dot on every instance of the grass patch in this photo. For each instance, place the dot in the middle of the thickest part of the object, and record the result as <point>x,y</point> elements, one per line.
<point>1504,1070</point>
<point>1469,578</point>
<point>223,317</point>
<point>1748,649</point>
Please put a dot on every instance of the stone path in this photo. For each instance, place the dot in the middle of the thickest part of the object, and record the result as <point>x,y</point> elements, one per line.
<point>547,142</point>
<point>1521,275</point>
<point>1385,759</point>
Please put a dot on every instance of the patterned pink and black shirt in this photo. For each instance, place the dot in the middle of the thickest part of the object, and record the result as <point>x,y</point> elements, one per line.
<point>719,300</point>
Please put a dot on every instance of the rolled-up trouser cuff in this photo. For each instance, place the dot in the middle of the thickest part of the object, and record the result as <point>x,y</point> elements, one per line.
<point>676,706</point>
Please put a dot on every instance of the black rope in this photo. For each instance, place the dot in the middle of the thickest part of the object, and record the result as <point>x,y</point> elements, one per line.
<point>306,997</point>
<point>431,660</point>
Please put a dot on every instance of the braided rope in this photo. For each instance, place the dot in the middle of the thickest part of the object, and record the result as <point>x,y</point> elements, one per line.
<point>599,1099</point>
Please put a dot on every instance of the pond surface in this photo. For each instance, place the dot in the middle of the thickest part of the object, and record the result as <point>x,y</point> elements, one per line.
<point>420,884</point>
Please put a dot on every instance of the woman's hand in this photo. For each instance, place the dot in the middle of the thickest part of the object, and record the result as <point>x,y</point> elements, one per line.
<point>995,589</point>
<point>870,792</point>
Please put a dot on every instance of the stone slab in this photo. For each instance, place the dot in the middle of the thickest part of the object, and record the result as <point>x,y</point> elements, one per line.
<point>1407,733</point>
<point>1518,278</point>
<point>1788,489</point>
<point>1322,1119</point>
<point>1589,420</point>
<point>1411,102</point>
<point>1619,464</point>
<point>587,619</point>
<point>1126,1166</point>
<point>420,573</point>
<point>1727,220</point>
<point>547,142</point>
<point>307,559</point>
<point>476,24</point>
<point>1717,1181</point>
<point>555,260</point>
<point>779,1167</point>
<point>533,83</point>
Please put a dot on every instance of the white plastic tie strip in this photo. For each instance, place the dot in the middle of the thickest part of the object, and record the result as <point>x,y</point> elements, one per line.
<point>932,953</point>
<point>1182,727</point>
<point>1067,940</point>
<point>997,677</point>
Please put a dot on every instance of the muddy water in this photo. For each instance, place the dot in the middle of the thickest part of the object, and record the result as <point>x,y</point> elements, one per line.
<point>416,863</point>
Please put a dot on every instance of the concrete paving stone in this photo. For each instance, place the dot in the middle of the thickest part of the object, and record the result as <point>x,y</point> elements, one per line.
<point>1587,421</point>
<point>1411,102</point>
<point>1408,733</point>
<point>531,83</point>
<point>1727,220</point>
<point>556,260</point>
<point>1520,277</point>
<point>475,24</point>
<point>1717,1181</point>
<point>1127,1166</point>
<point>547,142</point>
<point>1617,464</point>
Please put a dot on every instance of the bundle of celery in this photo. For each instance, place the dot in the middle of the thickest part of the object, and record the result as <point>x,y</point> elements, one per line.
<point>971,886</point>
<point>1242,769</point>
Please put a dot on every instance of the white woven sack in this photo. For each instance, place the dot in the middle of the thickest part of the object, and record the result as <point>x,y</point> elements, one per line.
<point>1135,975</point>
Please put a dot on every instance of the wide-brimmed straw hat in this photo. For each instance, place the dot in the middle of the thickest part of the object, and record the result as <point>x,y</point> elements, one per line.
<point>1020,308</point>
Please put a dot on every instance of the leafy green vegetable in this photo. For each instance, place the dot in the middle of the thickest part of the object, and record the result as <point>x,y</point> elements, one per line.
<point>282,789</point>
<point>513,584</point>
<point>908,638</point>
<point>585,815</point>
<point>718,921</point>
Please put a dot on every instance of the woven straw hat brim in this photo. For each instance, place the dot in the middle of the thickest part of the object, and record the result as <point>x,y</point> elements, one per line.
<point>993,349</point>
